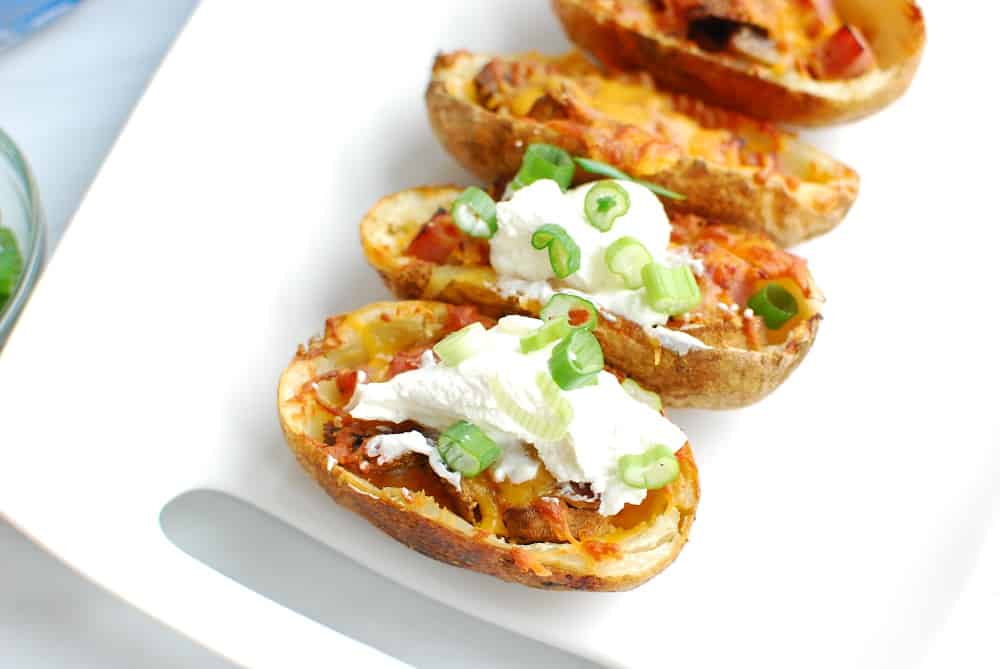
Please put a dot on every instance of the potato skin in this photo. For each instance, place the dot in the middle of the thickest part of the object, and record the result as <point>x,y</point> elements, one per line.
<point>725,81</point>
<point>718,378</point>
<point>417,521</point>
<point>492,145</point>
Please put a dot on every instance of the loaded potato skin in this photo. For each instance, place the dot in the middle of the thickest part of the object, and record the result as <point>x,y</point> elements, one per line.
<point>806,62</point>
<point>745,363</point>
<point>526,544</point>
<point>486,110</point>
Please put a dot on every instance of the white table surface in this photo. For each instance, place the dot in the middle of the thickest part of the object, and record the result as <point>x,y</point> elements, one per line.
<point>64,96</point>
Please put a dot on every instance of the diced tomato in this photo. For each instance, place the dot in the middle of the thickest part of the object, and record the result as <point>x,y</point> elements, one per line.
<point>346,383</point>
<point>844,55</point>
<point>461,315</point>
<point>435,241</point>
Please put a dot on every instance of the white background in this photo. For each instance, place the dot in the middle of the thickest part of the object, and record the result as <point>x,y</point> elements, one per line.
<point>841,517</point>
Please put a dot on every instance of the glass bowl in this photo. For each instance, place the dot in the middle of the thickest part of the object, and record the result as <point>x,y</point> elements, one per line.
<point>21,211</point>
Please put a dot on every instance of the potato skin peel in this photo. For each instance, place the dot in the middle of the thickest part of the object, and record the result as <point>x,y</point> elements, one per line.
<point>416,520</point>
<point>718,378</point>
<point>492,145</point>
<point>726,81</point>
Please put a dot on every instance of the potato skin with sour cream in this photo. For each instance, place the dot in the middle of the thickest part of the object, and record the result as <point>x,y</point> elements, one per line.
<point>743,365</point>
<point>310,393</point>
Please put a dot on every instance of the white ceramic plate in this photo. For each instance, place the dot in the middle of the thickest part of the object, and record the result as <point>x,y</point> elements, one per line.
<point>840,517</point>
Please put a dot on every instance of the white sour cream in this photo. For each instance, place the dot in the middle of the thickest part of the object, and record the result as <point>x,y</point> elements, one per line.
<point>526,272</point>
<point>607,423</point>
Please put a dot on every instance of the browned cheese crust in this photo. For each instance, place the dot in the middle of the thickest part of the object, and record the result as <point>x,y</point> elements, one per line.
<point>620,34</point>
<point>415,519</point>
<point>718,378</point>
<point>790,190</point>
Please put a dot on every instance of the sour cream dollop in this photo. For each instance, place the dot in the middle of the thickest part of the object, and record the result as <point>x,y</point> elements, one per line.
<point>527,272</point>
<point>606,424</point>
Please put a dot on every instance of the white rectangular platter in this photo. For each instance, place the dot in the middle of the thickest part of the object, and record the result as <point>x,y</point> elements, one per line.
<point>840,517</point>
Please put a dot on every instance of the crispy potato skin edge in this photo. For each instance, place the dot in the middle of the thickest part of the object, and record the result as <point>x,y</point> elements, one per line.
<point>445,544</point>
<point>491,146</point>
<point>714,379</point>
<point>677,66</point>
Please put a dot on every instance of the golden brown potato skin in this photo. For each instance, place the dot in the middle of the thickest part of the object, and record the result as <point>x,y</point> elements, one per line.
<point>415,520</point>
<point>718,378</point>
<point>895,28</point>
<point>492,145</point>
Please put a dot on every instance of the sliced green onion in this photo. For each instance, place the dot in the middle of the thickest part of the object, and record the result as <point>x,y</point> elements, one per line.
<point>660,190</point>
<point>466,449</point>
<point>651,470</point>
<point>606,201</point>
<point>555,401</point>
<point>552,331</point>
<point>549,424</point>
<point>670,290</point>
<point>475,213</point>
<point>605,170</point>
<point>647,397</point>
<point>579,312</point>
<point>461,344</point>
<point>577,360</point>
<point>564,254</point>
<point>626,257</point>
<point>774,304</point>
<point>544,161</point>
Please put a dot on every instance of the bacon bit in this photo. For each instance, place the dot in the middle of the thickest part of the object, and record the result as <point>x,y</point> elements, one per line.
<point>435,241</point>
<point>844,55</point>
<point>406,360</point>
<point>528,562</point>
<point>460,316</point>
<point>347,381</point>
<point>578,316</point>
<point>553,510</point>
<point>384,318</point>
<point>601,550</point>
<point>329,433</point>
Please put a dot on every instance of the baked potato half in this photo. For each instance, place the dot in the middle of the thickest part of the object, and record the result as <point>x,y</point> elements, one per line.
<point>486,110</point>
<point>808,62</point>
<point>410,240</point>
<point>530,533</point>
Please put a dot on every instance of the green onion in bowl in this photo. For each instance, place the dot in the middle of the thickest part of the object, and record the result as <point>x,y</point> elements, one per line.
<point>22,219</point>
